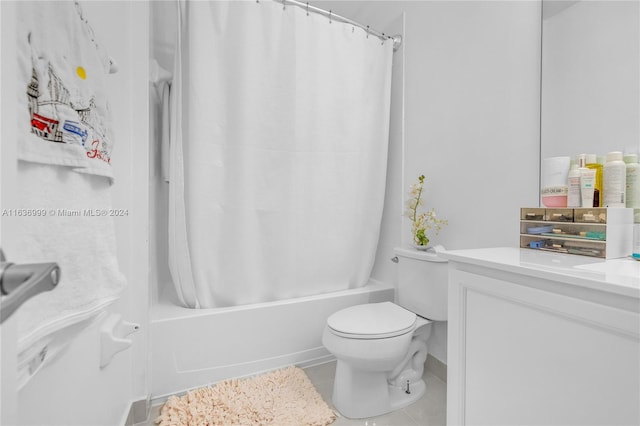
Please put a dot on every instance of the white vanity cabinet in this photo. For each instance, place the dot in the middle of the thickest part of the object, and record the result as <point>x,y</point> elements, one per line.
<point>542,339</point>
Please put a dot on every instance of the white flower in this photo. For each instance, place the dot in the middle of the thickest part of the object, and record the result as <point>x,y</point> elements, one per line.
<point>423,222</point>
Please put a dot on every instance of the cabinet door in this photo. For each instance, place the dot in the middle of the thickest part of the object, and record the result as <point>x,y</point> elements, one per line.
<point>521,355</point>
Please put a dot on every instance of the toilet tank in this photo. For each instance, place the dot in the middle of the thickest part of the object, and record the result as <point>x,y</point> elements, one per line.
<point>422,283</point>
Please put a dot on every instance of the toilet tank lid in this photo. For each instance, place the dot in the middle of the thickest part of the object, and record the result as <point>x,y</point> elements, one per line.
<point>371,319</point>
<point>429,255</point>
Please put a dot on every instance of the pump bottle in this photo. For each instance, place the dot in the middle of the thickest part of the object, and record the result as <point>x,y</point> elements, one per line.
<point>614,185</point>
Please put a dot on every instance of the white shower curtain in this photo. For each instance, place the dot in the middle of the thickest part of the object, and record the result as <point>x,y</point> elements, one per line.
<point>278,153</point>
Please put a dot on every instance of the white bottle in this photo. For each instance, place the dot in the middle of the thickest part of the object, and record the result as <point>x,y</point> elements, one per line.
<point>573,182</point>
<point>614,180</point>
<point>632,180</point>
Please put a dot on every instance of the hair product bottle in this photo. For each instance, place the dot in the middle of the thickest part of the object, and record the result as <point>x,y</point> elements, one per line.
<point>632,180</point>
<point>593,163</point>
<point>615,173</point>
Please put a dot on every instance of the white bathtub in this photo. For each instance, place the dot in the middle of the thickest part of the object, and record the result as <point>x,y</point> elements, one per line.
<point>196,347</point>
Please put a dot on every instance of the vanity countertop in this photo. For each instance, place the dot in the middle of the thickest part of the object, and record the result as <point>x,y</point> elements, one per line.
<point>618,276</point>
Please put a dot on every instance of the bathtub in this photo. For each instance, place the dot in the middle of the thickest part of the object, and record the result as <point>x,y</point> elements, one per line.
<point>197,347</point>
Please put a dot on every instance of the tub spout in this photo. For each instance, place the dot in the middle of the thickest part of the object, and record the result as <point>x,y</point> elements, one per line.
<point>113,333</point>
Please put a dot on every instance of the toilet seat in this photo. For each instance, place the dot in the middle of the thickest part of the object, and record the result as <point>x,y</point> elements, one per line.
<point>372,321</point>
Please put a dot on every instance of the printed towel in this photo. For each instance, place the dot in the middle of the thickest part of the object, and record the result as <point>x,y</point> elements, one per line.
<point>63,115</point>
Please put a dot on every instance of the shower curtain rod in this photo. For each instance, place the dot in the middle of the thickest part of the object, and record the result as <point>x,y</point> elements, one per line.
<point>397,39</point>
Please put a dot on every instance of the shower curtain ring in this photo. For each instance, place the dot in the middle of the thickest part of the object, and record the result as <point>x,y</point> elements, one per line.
<point>307,8</point>
<point>329,16</point>
<point>367,31</point>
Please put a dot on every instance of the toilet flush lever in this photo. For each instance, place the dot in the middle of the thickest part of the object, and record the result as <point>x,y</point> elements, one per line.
<point>408,391</point>
<point>395,259</point>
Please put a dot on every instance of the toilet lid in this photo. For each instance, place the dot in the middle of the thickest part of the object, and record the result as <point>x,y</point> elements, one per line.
<point>372,321</point>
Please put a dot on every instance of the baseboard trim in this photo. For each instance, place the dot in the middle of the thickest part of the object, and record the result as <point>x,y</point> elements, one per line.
<point>139,412</point>
<point>436,367</point>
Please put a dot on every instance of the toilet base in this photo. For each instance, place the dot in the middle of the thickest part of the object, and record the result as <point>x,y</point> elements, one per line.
<point>399,398</point>
<point>360,394</point>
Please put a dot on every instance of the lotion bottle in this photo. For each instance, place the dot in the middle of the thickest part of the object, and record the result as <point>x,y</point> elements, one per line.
<point>573,183</point>
<point>632,181</point>
<point>614,185</point>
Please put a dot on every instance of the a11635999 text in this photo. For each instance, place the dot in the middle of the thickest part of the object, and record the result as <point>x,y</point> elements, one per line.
<point>62,212</point>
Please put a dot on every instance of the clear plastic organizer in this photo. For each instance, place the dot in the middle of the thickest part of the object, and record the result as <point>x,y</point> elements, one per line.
<point>597,232</point>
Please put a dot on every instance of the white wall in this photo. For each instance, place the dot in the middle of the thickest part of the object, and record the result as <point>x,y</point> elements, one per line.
<point>124,25</point>
<point>72,389</point>
<point>471,119</point>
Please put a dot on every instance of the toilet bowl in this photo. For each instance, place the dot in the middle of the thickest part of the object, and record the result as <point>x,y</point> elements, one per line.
<point>381,348</point>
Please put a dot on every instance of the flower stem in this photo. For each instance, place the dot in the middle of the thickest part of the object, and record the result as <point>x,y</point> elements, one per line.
<point>415,209</point>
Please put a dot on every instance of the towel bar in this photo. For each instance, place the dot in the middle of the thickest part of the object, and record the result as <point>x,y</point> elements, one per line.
<point>19,283</point>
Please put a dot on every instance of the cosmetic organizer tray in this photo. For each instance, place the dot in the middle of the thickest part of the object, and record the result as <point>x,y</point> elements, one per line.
<point>597,232</point>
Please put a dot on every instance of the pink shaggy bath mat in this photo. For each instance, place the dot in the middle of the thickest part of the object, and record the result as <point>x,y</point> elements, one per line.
<point>283,397</point>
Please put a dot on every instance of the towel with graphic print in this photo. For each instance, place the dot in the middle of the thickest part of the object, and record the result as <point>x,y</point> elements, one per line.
<point>64,116</point>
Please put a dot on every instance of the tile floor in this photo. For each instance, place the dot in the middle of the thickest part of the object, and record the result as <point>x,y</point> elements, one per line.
<point>427,411</point>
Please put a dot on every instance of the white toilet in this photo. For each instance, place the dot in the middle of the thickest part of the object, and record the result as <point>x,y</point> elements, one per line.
<point>381,348</point>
